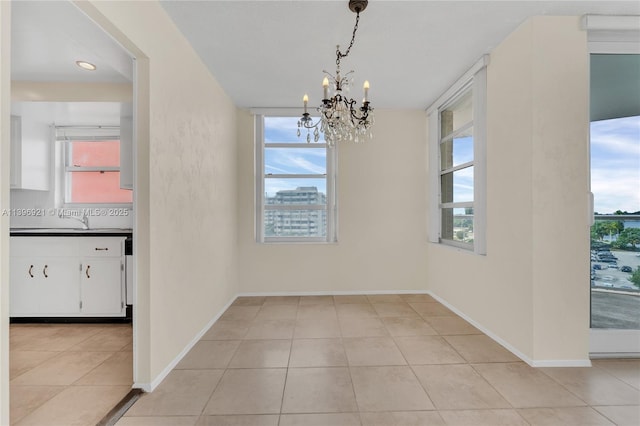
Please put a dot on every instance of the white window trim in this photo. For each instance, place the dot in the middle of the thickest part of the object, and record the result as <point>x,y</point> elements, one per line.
<point>260,206</point>
<point>616,34</point>
<point>66,134</point>
<point>475,78</point>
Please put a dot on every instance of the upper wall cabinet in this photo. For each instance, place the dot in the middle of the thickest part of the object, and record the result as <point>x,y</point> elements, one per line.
<point>30,151</point>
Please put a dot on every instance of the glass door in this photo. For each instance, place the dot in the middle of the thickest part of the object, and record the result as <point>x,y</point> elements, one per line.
<point>615,184</point>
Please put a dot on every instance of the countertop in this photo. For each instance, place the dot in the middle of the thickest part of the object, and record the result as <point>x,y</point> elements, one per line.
<point>70,232</point>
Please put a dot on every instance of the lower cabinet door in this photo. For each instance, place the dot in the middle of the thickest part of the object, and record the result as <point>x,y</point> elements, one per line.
<point>43,287</point>
<point>101,287</point>
<point>58,289</point>
<point>25,282</point>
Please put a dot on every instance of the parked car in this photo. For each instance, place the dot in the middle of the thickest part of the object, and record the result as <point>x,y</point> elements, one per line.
<point>597,267</point>
<point>626,269</point>
<point>607,256</point>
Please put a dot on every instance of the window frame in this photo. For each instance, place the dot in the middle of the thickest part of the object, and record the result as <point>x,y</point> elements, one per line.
<point>260,202</point>
<point>69,134</point>
<point>474,81</point>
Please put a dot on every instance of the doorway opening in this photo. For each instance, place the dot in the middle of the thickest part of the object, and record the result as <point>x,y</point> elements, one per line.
<point>615,179</point>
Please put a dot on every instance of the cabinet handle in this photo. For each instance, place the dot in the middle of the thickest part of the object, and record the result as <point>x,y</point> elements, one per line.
<point>102,248</point>
<point>44,271</point>
<point>87,271</point>
<point>30,273</point>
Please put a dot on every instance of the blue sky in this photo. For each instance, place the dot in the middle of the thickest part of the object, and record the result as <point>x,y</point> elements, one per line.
<point>291,160</point>
<point>615,164</point>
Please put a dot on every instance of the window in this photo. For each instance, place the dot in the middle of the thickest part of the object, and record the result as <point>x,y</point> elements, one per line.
<point>92,170</point>
<point>295,191</point>
<point>456,163</point>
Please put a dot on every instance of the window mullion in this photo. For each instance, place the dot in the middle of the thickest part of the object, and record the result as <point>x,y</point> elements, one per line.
<point>456,168</point>
<point>457,132</point>
<point>294,176</point>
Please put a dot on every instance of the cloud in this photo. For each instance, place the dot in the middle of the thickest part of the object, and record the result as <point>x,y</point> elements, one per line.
<point>295,161</point>
<point>615,189</point>
<point>619,135</point>
<point>615,164</point>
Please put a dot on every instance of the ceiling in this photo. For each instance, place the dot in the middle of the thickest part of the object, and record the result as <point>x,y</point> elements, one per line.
<point>48,37</point>
<point>270,53</point>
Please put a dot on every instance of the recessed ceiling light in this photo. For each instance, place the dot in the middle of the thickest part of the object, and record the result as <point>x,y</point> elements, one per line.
<point>86,65</point>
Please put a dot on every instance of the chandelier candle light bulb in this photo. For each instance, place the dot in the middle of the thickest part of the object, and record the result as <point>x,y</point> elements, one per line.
<point>340,117</point>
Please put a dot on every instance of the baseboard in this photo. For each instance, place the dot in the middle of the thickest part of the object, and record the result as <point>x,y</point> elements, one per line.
<point>561,363</point>
<point>149,387</point>
<point>331,293</point>
<point>508,346</point>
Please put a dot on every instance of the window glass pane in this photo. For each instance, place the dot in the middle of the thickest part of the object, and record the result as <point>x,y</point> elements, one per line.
<point>458,150</point>
<point>295,191</point>
<point>98,187</point>
<point>295,223</point>
<point>295,160</point>
<point>457,224</point>
<point>95,154</point>
<point>456,114</point>
<point>285,130</point>
<point>457,187</point>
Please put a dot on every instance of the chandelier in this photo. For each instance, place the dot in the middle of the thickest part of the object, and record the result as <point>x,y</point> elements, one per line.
<point>341,119</point>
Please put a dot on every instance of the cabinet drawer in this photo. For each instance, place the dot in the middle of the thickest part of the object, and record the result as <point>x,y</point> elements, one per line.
<point>101,246</point>
<point>43,246</point>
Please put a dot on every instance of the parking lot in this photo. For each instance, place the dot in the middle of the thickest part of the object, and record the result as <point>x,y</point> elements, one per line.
<point>611,276</point>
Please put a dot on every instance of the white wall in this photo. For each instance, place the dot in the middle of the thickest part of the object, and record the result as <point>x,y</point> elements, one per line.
<point>531,290</point>
<point>381,217</point>
<point>187,271</point>
<point>5,110</point>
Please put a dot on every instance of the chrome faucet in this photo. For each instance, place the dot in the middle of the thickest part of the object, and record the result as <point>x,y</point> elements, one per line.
<point>69,215</point>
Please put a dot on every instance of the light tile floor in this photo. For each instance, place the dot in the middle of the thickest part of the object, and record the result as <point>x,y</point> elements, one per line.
<point>374,360</point>
<point>68,374</point>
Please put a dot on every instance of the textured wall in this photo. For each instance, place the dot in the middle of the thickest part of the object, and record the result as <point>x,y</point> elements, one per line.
<point>531,290</point>
<point>381,217</point>
<point>190,213</point>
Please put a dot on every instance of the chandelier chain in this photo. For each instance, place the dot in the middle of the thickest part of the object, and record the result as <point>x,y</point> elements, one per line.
<point>340,55</point>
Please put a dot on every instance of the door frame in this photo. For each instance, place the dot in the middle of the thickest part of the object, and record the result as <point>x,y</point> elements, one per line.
<point>611,35</point>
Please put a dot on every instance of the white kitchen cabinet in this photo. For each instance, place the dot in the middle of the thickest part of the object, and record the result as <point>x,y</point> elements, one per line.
<point>102,267</point>
<point>31,142</point>
<point>66,276</point>
<point>97,287</point>
<point>15,172</point>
